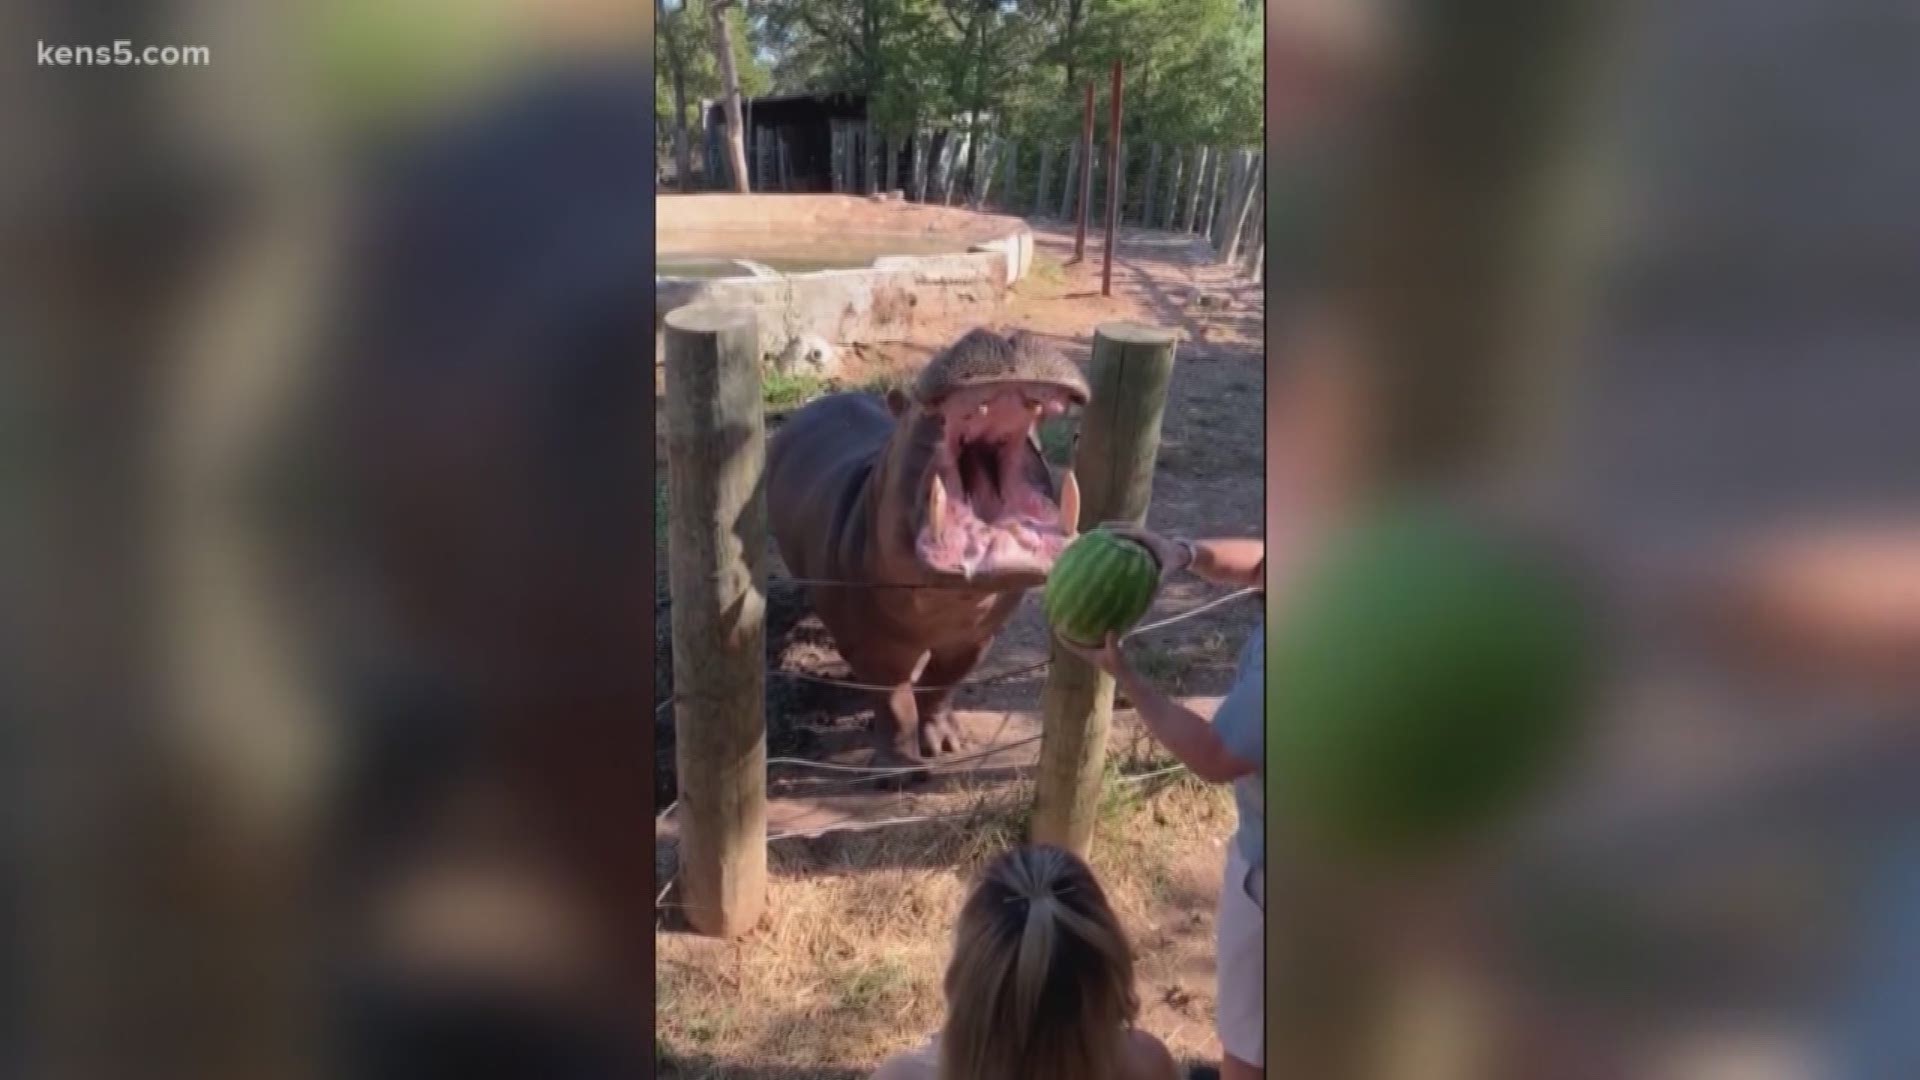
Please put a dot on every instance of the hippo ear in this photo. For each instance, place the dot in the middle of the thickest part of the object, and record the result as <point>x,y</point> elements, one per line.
<point>897,402</point>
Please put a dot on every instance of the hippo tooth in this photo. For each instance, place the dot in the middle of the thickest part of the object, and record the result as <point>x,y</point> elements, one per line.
<point>1069,504</point>
<point>981,410</point>
<point>937,506</point>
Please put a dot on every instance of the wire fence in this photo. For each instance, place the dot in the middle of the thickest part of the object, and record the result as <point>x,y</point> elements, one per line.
<point>868,773</point>
<point>982,680</point>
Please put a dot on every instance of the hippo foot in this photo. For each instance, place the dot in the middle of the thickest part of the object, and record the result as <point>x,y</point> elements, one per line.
<point>887,754</point>
<point>939,734</point>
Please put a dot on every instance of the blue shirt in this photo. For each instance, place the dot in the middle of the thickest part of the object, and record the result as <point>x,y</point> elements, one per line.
<point>1876,1035</point>
<point>1241,722</point>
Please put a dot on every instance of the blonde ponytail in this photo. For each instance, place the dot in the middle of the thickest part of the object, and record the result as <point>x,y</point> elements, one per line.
<point>1041,980</point>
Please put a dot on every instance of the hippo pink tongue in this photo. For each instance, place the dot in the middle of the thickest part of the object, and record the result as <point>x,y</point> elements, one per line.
<point>983,512</point>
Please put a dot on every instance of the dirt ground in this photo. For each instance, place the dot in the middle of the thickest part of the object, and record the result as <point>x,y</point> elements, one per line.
<point>845,968</point>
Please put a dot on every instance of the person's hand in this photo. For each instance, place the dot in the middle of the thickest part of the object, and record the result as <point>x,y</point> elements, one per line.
<point>1106,656</point>
<point>1172,556</point>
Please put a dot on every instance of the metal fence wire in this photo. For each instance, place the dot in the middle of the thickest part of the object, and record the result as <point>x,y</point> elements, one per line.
<point>867,773</point>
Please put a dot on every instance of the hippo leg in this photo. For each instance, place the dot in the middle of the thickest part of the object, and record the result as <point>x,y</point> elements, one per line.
<point>938,733</point>
<point>896,719</point>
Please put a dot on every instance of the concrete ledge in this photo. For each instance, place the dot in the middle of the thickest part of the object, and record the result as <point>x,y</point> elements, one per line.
<point>784,215</point>
<point>847,306</point>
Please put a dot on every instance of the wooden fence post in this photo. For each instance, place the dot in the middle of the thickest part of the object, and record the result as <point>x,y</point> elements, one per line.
<point>1217,207</point>
<point>1119,442</point>
<point>717,542</point>
<point>1224,165</point>
<point>1172,215</point>
<point>1153,178</point>
<point>833,158</point>
<point>920,166</point>
<point>1256,240</point>
<point>1214,183</point>
<point>1255,246</point>
<point>1073,179</point>
<point>1012,172</point>
<point>1242,210</point>
<point>1116,175</point>
<point>869,157</point>
<point>945,162</point>
<point>1193,196</point>
<point>991,151</point>
<point>1097,196</point>
<point>939,141</point>
<point>974,193</point>
<point>1086,181</point>
<point>1040,190</point>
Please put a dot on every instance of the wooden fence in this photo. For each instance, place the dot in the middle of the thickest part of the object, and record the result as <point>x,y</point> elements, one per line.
<point>1196,190</point>
<point>1207,191</point>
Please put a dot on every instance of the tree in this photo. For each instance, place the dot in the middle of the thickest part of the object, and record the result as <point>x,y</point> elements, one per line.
<point>1194,67</point>
<point>686,51</point>
<point>677,72</point>
<point>730,88</point>
<point>969,17</point>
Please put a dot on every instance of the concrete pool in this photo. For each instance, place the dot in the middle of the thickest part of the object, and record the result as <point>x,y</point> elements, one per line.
<point>841,269</point>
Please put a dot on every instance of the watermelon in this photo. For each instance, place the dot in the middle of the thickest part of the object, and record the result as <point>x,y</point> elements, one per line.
<point>1101,583</point>
<point>1424,678</point>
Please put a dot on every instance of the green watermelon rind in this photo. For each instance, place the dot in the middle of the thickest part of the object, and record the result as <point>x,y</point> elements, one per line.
<point>1081,593</point>
<point>1360,769</point>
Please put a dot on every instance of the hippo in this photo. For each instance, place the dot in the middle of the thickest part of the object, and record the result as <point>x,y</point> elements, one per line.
<point>938,512</point>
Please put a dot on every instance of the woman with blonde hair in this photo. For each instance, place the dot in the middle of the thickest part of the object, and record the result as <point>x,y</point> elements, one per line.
<point>1040,983</point>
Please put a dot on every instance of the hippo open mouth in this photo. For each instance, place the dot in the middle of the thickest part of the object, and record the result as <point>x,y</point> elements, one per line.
<point>989,508</point>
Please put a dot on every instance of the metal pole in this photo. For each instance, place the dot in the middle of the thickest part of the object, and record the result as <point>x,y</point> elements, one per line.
<point>1086,180</point>
<point>1113,180</point>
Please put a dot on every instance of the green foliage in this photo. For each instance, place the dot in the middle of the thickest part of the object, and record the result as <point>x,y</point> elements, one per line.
<point>1194,67</point>
<point>684,35</point>
<point>784,393</point>
<point>375,63</point>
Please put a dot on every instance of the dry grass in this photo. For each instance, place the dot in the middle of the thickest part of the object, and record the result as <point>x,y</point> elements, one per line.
<point>846,967</point>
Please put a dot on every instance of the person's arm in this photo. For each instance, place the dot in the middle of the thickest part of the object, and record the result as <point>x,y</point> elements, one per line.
<point>1237,562</point>
<point>1842,602</point>
<point>1185,733</point>
<point>1240,563</point>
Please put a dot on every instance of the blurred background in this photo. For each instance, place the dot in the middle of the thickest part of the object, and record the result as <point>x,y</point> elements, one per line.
<point>323,518</point>
<point>326,536</point>
<point>1645,269</point>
